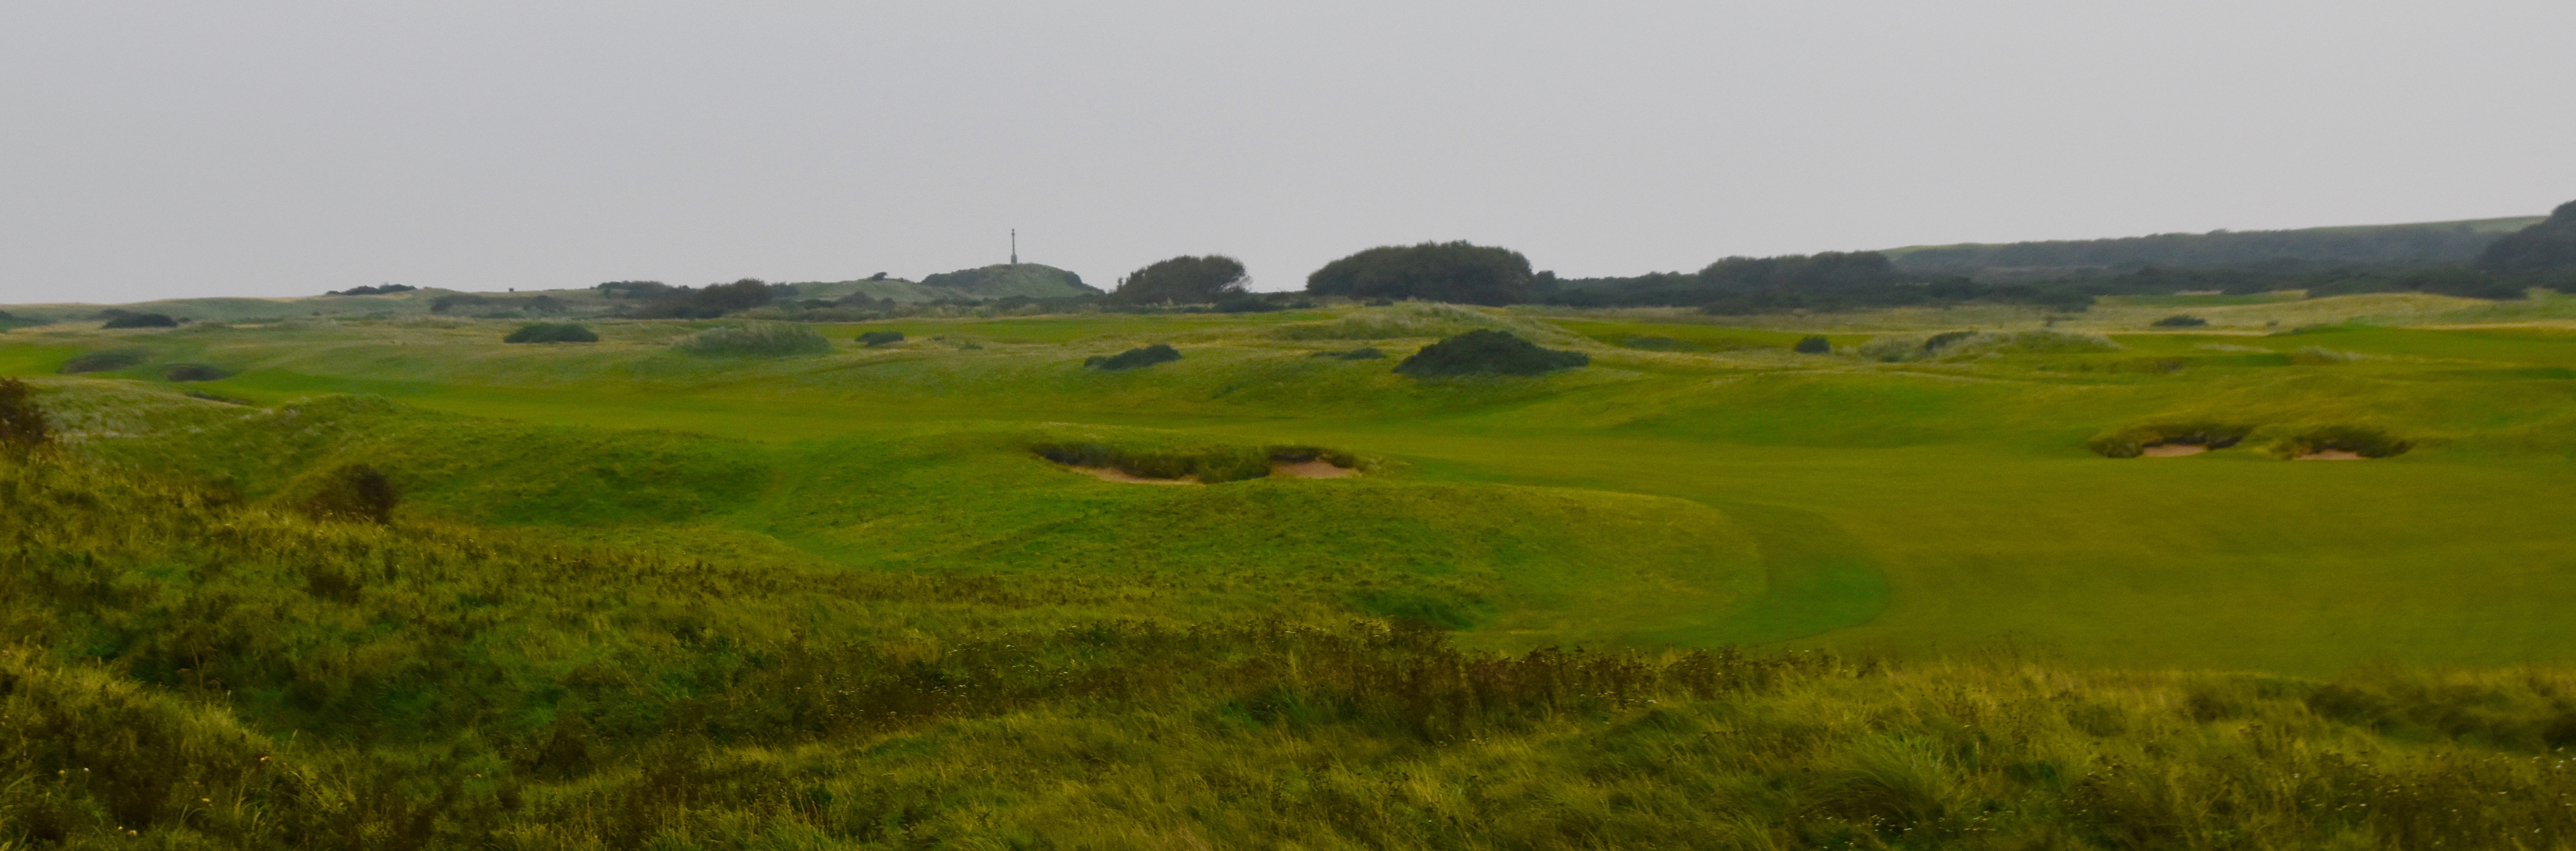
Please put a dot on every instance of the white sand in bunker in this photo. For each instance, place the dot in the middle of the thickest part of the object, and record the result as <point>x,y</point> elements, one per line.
<point>2332,455</point>
<point>1311,470</point>
<point>1113,474</point>
<point>2172,450</point>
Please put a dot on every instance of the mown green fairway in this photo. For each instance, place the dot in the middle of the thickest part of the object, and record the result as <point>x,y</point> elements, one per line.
<point>1706,487</point>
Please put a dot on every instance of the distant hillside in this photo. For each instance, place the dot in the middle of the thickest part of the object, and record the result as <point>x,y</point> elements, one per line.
<point>1024,279</point>
<point>999,281</point>
<point>2550,245</point>
<point>2426,242</point>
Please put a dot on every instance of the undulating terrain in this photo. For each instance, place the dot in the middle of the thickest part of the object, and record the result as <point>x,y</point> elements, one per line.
<point>962,590</point>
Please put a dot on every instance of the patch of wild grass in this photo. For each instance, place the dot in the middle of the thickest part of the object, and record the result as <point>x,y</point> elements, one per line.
<point>757,339</point>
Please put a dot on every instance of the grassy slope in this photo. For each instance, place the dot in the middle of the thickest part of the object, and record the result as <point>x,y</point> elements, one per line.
<point>186,671</point>
<point>1955,495</point>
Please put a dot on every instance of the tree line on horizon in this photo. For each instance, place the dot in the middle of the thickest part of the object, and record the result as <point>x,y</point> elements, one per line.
<point>2056,275</point>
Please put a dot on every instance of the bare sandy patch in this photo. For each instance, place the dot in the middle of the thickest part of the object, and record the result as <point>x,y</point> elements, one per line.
<point>1113,474</point>
<point>1311,470</point>
<point>2172,450</point>
<point>2332,455</point>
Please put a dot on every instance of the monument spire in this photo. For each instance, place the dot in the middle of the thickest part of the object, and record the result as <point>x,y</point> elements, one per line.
<point>1015,246</point>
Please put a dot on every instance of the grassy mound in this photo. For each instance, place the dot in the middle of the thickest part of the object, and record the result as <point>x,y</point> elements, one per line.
<point>2364,441</point>
<point>1397,321</point>
<point>1134,358</point>
<point>1487,352</point>
<point>141,320</point>
<point>873,339</point>
<point>1960,345</point>
<point>757,339</point>
<point>100,362</point>
<point>2131,441</point>
<point>1361,353</point>
<point>193,372</point>
<point>1033,280</point>
<point>551,332</point>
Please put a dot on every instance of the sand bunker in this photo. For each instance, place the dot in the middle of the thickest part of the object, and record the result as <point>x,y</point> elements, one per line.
<point>1113,474</point>
<point>2332,455</point>
<point>1317,469</point>
<point>2172,450</point>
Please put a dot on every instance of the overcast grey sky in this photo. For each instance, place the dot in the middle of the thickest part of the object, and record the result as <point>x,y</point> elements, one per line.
<point>152,149</point>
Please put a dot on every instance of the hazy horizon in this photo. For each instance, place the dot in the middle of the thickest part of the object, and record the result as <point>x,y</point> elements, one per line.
<point>167,150</point>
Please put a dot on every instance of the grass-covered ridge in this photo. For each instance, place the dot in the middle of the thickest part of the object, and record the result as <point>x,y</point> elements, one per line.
<point>436,686</point>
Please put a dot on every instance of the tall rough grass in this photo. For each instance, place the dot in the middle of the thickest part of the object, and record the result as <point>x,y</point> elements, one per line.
<point>757,339</point>
<point>1961,345</point>
<point>184,670</point>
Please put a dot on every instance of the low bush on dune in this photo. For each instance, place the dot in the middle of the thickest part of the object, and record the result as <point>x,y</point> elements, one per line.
<point>193,372</point>
<point>1487,352</point>
<point>551,332</point>
<point>101,362</point>
<point>1813,345</point>
<point>2132,441</point>
<point>1134,358</point>
<point>757,339</point>
<point>2364,441</point>
<point>873,339</point>
<point>2180,321</point>
<point>1361,353</point>
<point>141,320</point>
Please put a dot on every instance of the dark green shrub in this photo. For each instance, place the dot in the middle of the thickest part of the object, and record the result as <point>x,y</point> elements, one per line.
<point>2364,441</point>
<point>192,372</point>
<point>354,493</point>
<point>551,332</point>
<point>1488,352</point>
<point>1379,302</point>
<point>1134,358</point>
<point>1184,280</point>
<point>1361,353</point>
<point>101,362</point>
<point>141,320</point>
<point>2180,320</point>
<point>874,339</point>
<point>1454,272</point>
<point>23,425</point>
<point>2132,441</point>
<point>1813,345</point>
<point>2548,245</point>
